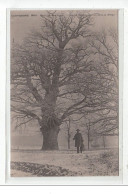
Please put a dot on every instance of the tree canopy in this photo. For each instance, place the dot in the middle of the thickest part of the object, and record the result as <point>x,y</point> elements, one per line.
<point>65,69</point>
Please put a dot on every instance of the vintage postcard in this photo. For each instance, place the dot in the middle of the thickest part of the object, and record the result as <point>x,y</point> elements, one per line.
<point>64,84</point>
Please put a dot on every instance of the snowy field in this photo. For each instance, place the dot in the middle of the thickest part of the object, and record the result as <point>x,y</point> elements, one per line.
<point>64,163</point>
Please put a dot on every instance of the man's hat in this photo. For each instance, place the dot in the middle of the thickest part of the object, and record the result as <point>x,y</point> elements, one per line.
<point>77,130</point>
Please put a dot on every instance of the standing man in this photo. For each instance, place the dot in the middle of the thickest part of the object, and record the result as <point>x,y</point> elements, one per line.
<point>78,141</point>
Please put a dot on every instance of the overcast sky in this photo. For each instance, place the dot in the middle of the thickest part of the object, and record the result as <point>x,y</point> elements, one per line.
<point>23,21</point>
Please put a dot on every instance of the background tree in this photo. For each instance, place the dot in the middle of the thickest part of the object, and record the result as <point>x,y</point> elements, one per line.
<point>68,125</point>
<point>105,45</point>
<point>101,88</point>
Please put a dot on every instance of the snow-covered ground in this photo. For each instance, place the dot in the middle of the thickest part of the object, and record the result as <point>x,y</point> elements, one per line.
<point>89,163</point>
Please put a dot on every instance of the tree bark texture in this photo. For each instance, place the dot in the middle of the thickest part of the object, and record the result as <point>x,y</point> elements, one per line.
<point>50,138</point>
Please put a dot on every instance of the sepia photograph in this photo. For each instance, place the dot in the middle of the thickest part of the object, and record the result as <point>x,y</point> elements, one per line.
<point>64,93</point>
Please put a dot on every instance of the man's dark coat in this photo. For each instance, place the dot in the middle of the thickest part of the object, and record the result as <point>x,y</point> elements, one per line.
<point>78,140</point>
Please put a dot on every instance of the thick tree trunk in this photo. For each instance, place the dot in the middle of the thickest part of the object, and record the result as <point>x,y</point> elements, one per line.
<point>50,139</point>
<point>50,122</point>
